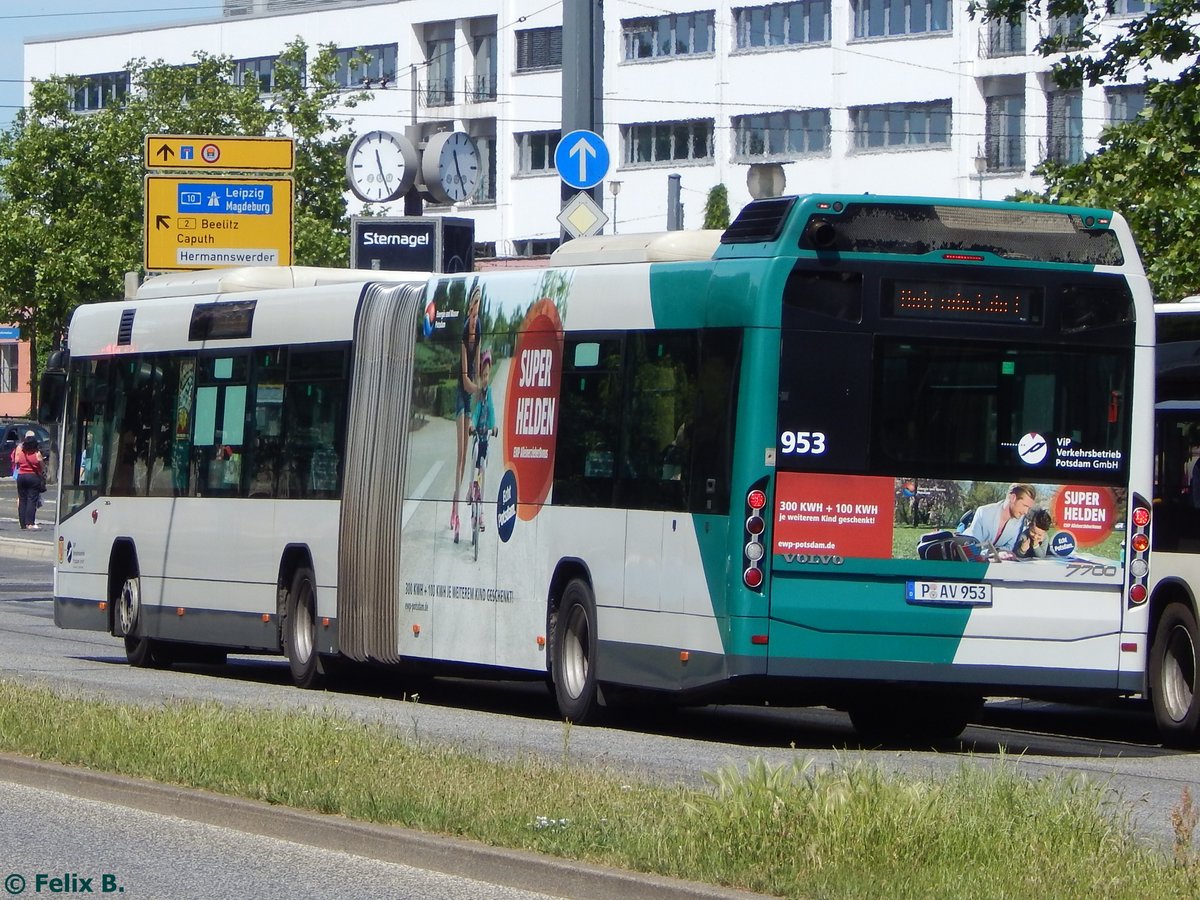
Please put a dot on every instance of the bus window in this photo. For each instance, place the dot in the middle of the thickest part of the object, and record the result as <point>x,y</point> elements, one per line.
<point>589,438</point>
<point>218,435</point>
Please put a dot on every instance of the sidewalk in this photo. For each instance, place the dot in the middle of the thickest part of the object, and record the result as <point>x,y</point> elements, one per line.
<point>25,544</point>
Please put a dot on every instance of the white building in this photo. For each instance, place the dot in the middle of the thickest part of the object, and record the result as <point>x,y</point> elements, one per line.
<point>879,96</point>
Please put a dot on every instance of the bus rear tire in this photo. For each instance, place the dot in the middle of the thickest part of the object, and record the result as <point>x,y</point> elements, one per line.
<point>1173,688</point>
<point>573,654</point>
<point>300,629</point>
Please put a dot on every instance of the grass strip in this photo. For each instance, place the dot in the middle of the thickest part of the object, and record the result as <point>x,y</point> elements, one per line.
<point>794,831</point>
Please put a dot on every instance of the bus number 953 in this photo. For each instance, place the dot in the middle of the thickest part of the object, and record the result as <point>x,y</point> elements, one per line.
<point>798,442</point>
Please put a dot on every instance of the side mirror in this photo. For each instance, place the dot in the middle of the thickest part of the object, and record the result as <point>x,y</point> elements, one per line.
<point>52,395</point>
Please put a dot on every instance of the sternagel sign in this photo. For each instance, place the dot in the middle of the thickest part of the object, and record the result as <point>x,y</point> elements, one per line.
<point>412,243</point>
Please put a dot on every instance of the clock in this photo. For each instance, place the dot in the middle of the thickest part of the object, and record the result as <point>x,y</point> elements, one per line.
<point>381,166</point>
<point>450,166</point>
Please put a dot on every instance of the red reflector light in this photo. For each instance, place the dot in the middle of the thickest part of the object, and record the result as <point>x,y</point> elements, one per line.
<point>755,525</point>
<point>1137,593</point>
<point>1141,517</point>
<point>1140,543</point>
<point>758,638</point>
<point>756,499</point>
<point>753,577</point>
<point>1129,648</point>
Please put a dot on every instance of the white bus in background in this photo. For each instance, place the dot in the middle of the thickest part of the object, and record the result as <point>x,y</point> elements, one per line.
<point>1176,535</point>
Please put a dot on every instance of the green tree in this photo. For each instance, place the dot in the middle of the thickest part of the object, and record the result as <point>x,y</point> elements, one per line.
<point>71,196</point>
<point>1147,169</point>
<point>716,208</point>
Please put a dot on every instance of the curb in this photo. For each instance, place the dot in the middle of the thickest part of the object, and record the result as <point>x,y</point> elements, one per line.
<point>441,853</point>
<point>23,548</point>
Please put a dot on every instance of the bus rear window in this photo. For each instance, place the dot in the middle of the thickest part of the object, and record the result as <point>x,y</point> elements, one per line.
<point>962,409</point>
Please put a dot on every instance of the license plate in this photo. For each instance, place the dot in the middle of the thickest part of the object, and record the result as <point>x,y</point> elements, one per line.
<point>949,593</point>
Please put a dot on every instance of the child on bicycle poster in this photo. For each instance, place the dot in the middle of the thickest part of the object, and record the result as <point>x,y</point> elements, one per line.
<point>483,420</point>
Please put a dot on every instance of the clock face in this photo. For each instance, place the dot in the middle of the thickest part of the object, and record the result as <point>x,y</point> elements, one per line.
<point>381,166</point>
<point>451,166</point>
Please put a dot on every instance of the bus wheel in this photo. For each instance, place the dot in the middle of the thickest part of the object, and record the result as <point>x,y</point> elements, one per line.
<point>573,630</point>
<point>300,629</point>
<point>1173,676</point>
<point>140,651</point>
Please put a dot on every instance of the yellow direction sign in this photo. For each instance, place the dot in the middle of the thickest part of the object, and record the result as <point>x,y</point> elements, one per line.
<point>201,152</point>
<point>198,222</point>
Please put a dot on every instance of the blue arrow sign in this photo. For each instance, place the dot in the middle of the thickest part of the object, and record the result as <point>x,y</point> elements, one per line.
<point>581,159</point>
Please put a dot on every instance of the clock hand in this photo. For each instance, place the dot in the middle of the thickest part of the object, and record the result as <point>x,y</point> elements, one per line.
<point>379,163</point>
<point>461,182</point>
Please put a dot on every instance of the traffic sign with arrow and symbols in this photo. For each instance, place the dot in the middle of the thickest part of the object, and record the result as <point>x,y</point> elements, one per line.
<point>235,154</point>
<point>582,159</point>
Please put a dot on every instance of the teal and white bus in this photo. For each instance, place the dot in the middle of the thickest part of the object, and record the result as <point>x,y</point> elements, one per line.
<point>887,454</point>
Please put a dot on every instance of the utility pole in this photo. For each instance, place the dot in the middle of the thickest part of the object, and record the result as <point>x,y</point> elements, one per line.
<point>582,77</point>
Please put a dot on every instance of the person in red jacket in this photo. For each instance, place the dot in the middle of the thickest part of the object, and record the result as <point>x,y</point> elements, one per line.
<point>29,469</point>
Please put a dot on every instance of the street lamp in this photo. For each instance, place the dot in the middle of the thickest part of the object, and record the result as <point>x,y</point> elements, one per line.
<point>980,167</point>
<point>614,188</point>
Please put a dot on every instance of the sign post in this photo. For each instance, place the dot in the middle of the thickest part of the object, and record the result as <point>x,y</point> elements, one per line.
<point>233,217</point>
<point>199,222</point>
<point>237,154</point>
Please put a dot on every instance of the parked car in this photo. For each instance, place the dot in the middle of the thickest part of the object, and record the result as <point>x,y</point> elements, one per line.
<point>13,432</point>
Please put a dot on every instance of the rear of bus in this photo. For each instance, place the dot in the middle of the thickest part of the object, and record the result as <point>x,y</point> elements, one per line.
<point>937,359</point>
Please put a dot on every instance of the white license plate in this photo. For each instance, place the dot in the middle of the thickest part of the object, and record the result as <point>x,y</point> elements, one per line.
<point>949,593</point>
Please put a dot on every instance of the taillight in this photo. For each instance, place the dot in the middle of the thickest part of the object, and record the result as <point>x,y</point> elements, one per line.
<point>753,550</point>
<point>1139,546</point>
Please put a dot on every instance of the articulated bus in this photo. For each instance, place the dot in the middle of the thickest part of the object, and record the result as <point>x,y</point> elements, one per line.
<point>892,455</point>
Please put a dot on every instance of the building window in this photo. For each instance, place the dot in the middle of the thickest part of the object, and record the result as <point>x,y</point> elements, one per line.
<point>783,135</point>
<point>99,91</point>
<point>678,35</point>
<point>439,64</point>
<point>888,18</point>
<point>1132,7</point>
<point>485,191</point>
<point>535,151</point>
<point>1005,132</point>
<point>366,66</point>
<point>539,48</point>
<point>781,24</point>
<point>1125,102</point>
<point>1002,38</point>
<point>8,368</point>
<point>1068,31</point>
<point>901,125</point>
<point>535,246</point>
<point>481,86</point>
<point>658,142</point>
<point>259,71</point>
<point>1064,129</point>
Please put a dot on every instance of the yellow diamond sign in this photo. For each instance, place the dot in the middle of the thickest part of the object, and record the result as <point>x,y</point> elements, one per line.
<point>581,217</point>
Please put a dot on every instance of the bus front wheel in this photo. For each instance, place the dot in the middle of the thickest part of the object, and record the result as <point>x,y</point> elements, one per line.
<point>1173,677</point>
<point>140,651</point>
<point>573,659</point>
<point>300,629</point>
